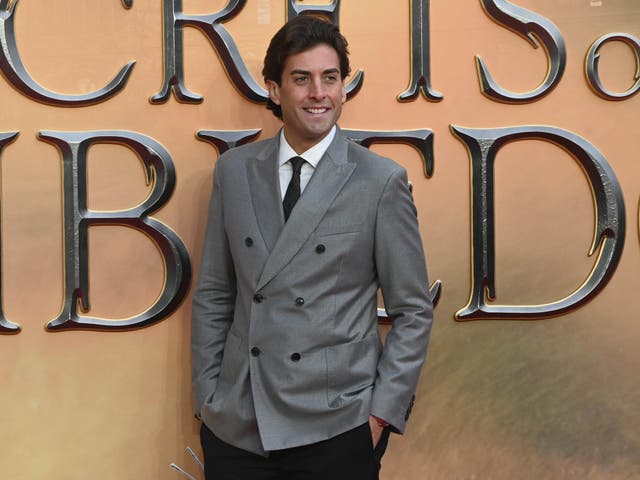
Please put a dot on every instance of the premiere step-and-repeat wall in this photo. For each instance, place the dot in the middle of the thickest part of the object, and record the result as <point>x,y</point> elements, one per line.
<point>518,124</point>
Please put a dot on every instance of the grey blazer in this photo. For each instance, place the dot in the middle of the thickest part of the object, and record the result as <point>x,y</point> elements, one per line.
<point>285,344</point>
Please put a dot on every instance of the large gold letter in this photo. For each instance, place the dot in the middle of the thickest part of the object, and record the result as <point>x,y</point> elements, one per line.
<point>593,58</point>
<point>483,146</point>
<point>160,172</point>
<point>5,325</point>
<point>534,28</point>
<point>13,69</point>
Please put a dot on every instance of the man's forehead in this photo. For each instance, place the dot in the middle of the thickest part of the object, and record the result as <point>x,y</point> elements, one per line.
<point>319,58</point>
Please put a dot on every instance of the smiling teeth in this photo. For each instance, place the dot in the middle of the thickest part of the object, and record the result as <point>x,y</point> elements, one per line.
<point>316,110</point>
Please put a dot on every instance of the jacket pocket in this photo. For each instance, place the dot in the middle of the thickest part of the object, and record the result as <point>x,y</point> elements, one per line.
<point>231,358</point>
<point>338,229</point>
<point>351,368</point>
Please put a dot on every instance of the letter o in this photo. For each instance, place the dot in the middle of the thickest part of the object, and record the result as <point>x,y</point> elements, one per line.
<point>591,65</point>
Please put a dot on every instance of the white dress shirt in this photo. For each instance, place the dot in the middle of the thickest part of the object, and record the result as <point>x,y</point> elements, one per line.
<point>311,156</point>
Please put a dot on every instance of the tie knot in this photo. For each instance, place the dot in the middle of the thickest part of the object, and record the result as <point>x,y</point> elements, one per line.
<point>296,163</point>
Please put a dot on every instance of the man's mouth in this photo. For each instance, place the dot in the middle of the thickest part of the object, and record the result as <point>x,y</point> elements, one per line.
<point>316,110</point>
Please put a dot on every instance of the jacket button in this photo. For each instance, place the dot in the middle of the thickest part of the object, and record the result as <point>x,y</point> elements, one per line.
<point>320,248</point>
<point>295,357</point>
<point>299,301</point>
<point>258,298</point>
<point>408,412</point>
<point>248,241</point>
<point>255,351</point>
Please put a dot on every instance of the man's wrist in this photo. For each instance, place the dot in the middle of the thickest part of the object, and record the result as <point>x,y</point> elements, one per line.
<point>381,423</point>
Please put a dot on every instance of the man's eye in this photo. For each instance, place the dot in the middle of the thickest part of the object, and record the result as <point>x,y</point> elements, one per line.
<point>300,80</point>
<point>331,78</point>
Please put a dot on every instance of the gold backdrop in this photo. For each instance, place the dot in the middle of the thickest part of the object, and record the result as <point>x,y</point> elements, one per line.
<point>548,399</point>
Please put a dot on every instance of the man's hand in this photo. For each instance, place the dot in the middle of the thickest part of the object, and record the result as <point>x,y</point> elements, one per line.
<point>376,430</point>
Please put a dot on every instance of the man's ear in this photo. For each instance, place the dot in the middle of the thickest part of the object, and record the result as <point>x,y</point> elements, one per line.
<point>274,91</point>
<point>344,93</point>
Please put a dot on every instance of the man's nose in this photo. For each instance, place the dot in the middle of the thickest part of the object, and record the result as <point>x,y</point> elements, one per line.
<point>317,89</point>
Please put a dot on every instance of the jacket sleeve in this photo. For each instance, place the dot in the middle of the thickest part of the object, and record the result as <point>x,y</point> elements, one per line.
<point>402,275</point>
<point>213,301</point>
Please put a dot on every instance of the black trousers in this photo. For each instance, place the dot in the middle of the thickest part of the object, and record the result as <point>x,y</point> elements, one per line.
<point>349,456</point>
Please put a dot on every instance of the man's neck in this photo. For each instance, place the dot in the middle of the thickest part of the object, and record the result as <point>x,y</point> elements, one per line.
<point>311,154</point>
<point>300,148</point>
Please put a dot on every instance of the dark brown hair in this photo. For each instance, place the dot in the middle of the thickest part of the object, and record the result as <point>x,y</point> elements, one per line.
<point>297,35</point>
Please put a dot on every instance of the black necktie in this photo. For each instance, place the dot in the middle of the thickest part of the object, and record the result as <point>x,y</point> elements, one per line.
<point>293,190</point>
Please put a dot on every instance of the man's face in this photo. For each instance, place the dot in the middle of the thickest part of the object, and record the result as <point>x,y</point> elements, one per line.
<point>311,94</point>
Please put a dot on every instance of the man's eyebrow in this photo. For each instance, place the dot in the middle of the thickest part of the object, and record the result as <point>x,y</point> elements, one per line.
<point>299,71</point>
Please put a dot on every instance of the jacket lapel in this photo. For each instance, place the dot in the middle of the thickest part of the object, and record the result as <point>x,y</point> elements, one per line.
<point>332,173</point>
<point>264,183</point>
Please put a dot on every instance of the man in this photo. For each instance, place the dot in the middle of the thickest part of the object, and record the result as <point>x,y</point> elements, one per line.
<point>290,376</point>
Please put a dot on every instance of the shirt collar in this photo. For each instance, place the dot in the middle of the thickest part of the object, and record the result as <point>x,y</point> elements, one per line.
<point>311,156</point>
